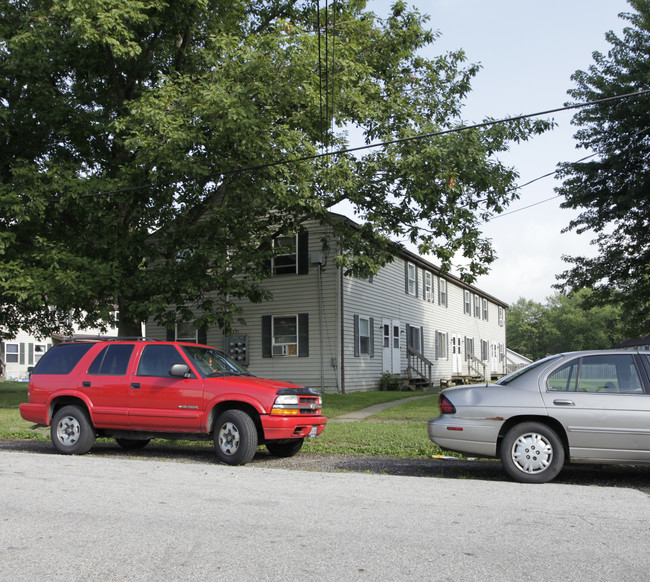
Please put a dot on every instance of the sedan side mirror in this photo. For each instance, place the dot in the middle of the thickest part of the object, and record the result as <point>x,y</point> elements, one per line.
<point>180,371</point>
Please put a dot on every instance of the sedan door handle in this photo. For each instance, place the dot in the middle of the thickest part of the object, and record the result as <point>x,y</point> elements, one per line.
<point>564,402</point>
<point>135,385</point>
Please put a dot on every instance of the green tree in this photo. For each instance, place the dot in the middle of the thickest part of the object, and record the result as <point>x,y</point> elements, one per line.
<point>612,189</point>
<point>151,150</point>
<point>526,328</point>
<point>565,323</point>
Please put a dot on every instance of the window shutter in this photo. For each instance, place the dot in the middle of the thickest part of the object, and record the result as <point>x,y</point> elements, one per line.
<point>417,281</point>
<point>303,253</point>
<point>30,354</point>
<point>22,354</point>
<point>406,277</point>
<point>202,334</point>
<point>171,335</point>
<point>371,324</point>
<point>422,340</point>
<point>303,335</point>
<point>2,351</point>
<point>357,352</point>
<point>266,336</point>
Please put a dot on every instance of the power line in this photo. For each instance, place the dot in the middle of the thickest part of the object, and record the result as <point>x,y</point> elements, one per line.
<point>532,182</point>
<point>391,142</point>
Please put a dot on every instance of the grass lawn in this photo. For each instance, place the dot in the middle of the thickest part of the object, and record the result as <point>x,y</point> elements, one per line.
<point>402,432</point>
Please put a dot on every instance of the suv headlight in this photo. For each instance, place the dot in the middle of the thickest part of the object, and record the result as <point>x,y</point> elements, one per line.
<point>301,401</point>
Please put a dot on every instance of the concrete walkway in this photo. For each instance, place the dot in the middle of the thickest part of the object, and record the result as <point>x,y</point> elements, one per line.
<point>374,409</point>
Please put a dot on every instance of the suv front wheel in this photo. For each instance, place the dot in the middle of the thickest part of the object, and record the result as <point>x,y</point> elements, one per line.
<point>71,431</point>
<point>235,437</point>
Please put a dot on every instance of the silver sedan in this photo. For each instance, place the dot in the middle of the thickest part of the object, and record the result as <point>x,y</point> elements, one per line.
<point>579,407</point>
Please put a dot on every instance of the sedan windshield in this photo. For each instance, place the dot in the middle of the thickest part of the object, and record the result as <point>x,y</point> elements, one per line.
<point>211,362</point>
<point>525,371</point>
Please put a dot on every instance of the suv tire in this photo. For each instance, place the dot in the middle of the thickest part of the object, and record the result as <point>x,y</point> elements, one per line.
<point>71,431</point>
<point>235,437</point>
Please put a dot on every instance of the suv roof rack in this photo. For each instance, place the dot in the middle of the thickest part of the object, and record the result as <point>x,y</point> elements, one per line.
<point>105,338</point>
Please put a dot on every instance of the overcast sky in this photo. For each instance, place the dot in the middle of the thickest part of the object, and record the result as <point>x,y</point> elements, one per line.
<point>528,51</point>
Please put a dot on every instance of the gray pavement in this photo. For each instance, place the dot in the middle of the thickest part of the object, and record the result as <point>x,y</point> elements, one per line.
<point>109,518</point>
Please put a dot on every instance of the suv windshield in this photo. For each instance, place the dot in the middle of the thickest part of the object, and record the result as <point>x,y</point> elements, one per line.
<point>211,362</point>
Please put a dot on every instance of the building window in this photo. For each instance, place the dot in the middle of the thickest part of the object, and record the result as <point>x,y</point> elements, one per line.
<point>468,303</point>
<point>441,345</point>
<point>414,338</point>
<point>411,279</point>
<point>39,352</point>
<point>442,292</point>
<point>477,306</point>
<point>501,316</point>
<point>485,351</point>
<point>485,309</point>
<point>285,336</point>
<point>364,336</point>
<point>11,353</point>
<point>185,332</point>
<point>428,286</point>
<point>286,261</point>
<point>469,347</point>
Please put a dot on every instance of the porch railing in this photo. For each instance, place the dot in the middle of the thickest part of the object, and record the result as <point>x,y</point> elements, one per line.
<point>418,366</point>
<point>477,367</point>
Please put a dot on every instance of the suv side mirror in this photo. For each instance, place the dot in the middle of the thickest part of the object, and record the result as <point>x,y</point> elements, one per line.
<point>180,371</point>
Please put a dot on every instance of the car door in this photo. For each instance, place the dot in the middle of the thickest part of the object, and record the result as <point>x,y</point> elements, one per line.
<point>159,401</point>
<point>603,403</point>
<point>106,384</point>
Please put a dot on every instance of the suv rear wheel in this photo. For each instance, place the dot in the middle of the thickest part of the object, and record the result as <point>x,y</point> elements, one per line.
<point>235,437</point>
<point>71,431</point>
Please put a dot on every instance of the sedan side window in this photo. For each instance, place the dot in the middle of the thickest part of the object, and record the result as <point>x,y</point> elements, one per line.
<point>158,360</point>
<point>598,374</point>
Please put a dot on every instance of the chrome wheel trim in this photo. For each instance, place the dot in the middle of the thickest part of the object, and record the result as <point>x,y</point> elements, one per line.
<point>532,453</point>
<point>68,431</point>
<point>229,438</point>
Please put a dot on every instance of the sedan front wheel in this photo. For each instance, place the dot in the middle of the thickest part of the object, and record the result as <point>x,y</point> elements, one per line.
<point>532,452</point>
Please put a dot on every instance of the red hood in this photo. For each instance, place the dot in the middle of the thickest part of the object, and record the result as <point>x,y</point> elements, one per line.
<point>264,383</point>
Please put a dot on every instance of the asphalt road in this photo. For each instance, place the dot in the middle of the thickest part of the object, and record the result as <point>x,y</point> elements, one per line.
<point>108,516</point>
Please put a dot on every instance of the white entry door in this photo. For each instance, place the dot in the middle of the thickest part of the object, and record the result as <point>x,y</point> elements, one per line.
<point>456,354</point>
<point>494,357</point>
<point>391,346</point>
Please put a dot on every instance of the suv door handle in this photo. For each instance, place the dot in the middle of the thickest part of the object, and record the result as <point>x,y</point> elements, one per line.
<point>135,385</point>
<point>86,384</point>
<point>564,402</point>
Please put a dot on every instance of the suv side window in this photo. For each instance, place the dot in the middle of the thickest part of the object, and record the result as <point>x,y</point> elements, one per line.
<point>62,359</point>
<point>157,360</point>
<point>113,360</point>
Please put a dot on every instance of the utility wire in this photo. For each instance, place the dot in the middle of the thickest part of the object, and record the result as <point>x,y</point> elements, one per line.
<point>392,142</point>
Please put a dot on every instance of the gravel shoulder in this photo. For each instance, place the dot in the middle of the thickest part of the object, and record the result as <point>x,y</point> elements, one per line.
<point>634,477</point>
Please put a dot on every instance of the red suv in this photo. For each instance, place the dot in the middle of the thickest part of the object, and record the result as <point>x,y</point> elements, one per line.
<point>136,390</point>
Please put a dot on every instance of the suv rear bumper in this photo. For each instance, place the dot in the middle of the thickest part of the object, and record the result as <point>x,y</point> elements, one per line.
<point>37,413</point>
<point>288,427</point>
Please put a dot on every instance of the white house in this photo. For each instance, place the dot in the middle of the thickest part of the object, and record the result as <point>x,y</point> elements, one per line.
<point>341,334</point>
<point>21,354</point>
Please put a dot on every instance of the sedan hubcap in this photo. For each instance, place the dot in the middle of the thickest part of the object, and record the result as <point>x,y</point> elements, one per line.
<point>229,438</point>
<point>68,430</point>
<point>532,453</point>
